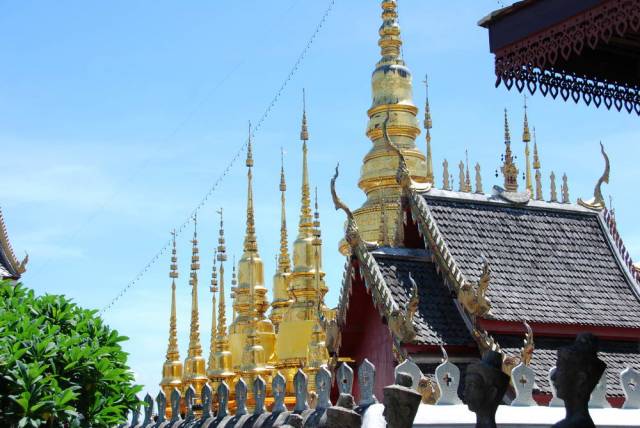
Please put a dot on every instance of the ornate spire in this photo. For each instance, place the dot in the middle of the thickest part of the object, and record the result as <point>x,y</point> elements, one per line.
<point>565,190</point>
<point>526,138</point>
<point>390,42</point>
<point>284,261</point>
<point>554,192</point>
<point>173,354</point>
<point>316,220</point>
<point>445,175</point>
<point>234,285</point>
<point>467,179</point>
<point>250,239</point>
<point>214,327</point>
<point>428,123</point>
<point>478,179</point>
<point>306,221</point>
<point>172,368</point>
<point>536,167</point>
<point>509,169</point>
<point>195,349</point>
<point>461,179</point>
<point>222,257</point>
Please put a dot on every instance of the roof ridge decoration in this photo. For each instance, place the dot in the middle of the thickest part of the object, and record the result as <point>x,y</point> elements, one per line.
<point>400,321</point>
<point>618,244</point>
<point>597,202</point>
<point>18,267</point>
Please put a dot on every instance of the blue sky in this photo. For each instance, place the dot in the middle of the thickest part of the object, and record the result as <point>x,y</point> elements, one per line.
<point>117,117</point>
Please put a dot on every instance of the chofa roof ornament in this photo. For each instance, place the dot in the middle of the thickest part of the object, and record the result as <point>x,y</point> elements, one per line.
<point>597,202</point>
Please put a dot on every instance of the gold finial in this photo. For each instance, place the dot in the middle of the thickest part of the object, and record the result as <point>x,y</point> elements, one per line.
<point>445,175</point>
<point>390,42</point>
<point>304,131</point>
<point>428,123</point>
<point>316,218</point>
<point>509,169</point>
<point>467,179</point>
<point>250,239</point>
<point>214,273</point>
<point>214,327</point>
<point>173,353</point>
<point>284,261</point>
<point>461,179</point>
<point>554,193</point>
<point>565,190</point>
<point>222,247</point>
<point>222,257</point>
<point>306,221</point>
<point>526,138</point>
<point>234,285</point>
<point>478,179</point>
<point>195,350</point>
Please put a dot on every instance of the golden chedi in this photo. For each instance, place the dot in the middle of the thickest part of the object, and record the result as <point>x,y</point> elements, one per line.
<point>195,364</point>
<point>172,367</point>
<point>392,94</point>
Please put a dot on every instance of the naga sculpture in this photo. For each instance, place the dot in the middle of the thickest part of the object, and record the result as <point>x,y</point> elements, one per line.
<point>597,202</point>
<point>474,299</point>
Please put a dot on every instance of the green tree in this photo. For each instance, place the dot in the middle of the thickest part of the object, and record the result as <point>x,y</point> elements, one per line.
<point>60,365</point>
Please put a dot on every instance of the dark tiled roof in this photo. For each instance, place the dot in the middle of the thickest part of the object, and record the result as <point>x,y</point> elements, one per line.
<point>617,355</point>
<point>4,273</point>
<point>548,265</point>
<point>438,320</point>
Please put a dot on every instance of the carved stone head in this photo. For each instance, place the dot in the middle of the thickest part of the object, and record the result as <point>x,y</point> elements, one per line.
<point>485,384</point>
<point>578,369</point>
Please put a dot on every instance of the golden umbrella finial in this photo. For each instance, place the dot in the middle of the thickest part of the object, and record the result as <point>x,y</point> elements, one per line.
<point>509,169</point>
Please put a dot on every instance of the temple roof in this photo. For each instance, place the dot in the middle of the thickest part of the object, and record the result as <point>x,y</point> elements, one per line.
<point>551,263</point>
<point>617,355</point>
<point>437,320</point>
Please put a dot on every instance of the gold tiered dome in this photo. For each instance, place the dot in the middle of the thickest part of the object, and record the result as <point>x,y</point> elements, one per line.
<point>392,94</point>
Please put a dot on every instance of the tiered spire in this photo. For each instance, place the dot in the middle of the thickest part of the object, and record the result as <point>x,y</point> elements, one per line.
<point>428,124</point>
<point>195,370</point>
<point>306,221</point>
<point>214,328</point>
<point>526,138</point>
<point>250,239</point>
<point>390,42</point>
<point>536,167</point>
<point>281,300</point>
<point>172,368</point>
<point>509,169</point>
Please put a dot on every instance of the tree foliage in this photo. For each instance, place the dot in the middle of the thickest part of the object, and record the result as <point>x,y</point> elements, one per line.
<point>60,365</point>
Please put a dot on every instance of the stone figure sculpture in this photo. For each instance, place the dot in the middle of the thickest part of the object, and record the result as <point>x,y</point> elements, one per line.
<point>578,370</point>
<point>484,387</point>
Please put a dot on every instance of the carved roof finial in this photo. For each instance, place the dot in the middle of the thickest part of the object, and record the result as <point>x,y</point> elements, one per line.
<point>597,202</point>
<point>509,169</point>
<point>467,178</point>
<point>565,189</point>
<point>446,185</point>
<point>428,123</point>
<point>526,353</point>
<point>479,189</point>
<point>461,179</point>
<point>536,166</point>
<point>526,138</point>
<point>554,192</point>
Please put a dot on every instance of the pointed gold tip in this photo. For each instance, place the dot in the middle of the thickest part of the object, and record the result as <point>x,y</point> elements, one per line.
<point>283,182</point>
<point>222,247</point>
<point>174,257</point>
<point>249,161</point>
<point>526,135</point>
<point>304,131</point>
<point>507,134</point>
<point>428,123</point>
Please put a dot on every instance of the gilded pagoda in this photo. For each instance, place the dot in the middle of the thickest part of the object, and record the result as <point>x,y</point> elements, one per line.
<point>254,344</point>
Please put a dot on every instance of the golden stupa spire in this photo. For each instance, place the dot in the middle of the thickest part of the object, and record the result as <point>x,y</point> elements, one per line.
<point>234,284</point>
<point>222,369</point>
<point>526,139</point>
<point>391,101</point>
<point>306,221</point>
<point>536,167</point>
<point>509,169</point>
<point>250,239</point>
<point>284,260</point>
<point>195,370</point>
<point>428,123</point>
<point>214,328</point>
<point>281,300</point>
<point>172,368</point>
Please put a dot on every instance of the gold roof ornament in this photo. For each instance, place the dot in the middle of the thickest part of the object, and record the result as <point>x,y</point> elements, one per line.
<point>565,190</point>
<point>479,189</point>
<point>428,124</point>
<point>194,364</point>
<point>526,139</point>
<point>554,192</point>
<point>172,368</point>
<point>214,328</point>
<point>536,166</point>
<point>446,184</point>
<point>509,169</point>
<point>597,202</point>
<point>526,353</point>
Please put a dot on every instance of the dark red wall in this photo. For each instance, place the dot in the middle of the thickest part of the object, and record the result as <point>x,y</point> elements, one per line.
<point>366,336</point>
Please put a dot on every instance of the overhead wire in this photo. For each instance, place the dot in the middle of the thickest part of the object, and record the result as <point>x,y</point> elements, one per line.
<point>227,169</point>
